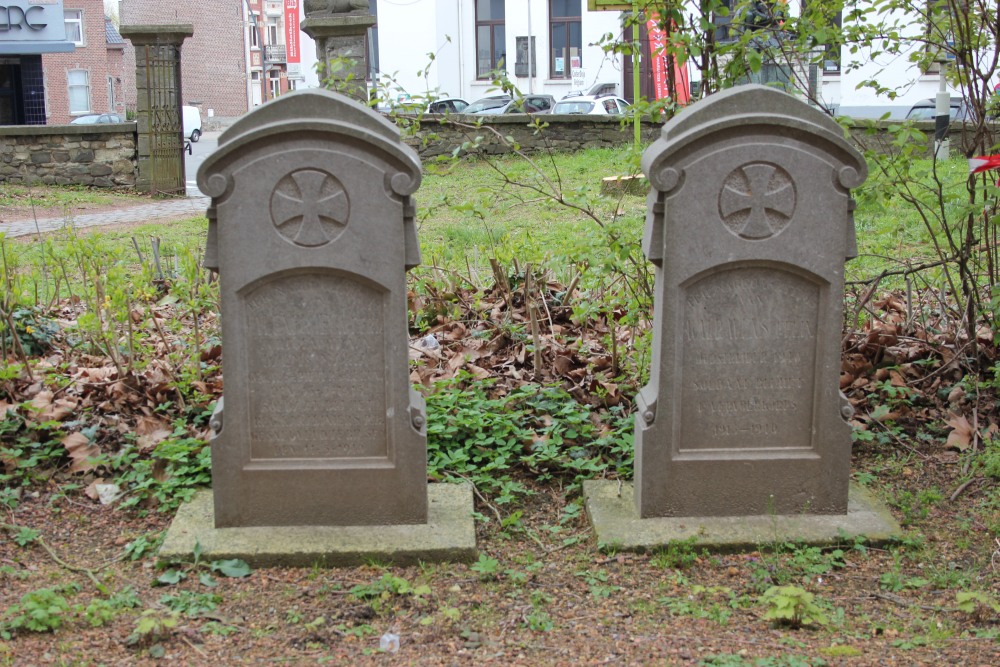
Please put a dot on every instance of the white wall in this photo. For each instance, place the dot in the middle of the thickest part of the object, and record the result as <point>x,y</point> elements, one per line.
<point>893,71</point>
<point>307,51</point>
<point>409,31</point>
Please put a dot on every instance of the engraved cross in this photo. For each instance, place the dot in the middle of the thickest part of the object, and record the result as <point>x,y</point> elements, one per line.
<point>309,207</point>
<point>768,195</point>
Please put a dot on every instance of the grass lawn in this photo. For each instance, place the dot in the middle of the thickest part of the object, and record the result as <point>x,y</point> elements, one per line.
<point>541,316</point>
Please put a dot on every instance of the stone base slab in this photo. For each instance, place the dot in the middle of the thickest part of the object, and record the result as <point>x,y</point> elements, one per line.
<point>613,515</point>
<point>449,535</point>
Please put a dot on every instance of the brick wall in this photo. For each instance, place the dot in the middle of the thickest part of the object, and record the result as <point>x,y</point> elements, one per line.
<point>91,58</point>
<point>213,61</point>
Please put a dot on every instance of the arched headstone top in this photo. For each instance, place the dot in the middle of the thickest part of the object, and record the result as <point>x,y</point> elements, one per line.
<point>751,110</point>
<point>319,111</point>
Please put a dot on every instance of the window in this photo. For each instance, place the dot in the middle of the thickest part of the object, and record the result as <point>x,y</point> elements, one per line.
<point>566,38</point>
<point>79,90</point>
<point>254,31</point>
<point>723,29</point>
<point>272,31</point>
<point>818,12</point>
<point>491,50</point>
<point>274,83</point>
<point>831,61</point>
<point>74,25</point>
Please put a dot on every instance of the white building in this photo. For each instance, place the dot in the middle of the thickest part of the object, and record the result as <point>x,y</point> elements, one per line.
<point>448,47</point>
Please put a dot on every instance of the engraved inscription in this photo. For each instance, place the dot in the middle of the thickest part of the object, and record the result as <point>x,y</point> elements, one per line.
<point>316,368</point>
<point>757,200</point>
<point>748,351</point>
<point>309,207</point>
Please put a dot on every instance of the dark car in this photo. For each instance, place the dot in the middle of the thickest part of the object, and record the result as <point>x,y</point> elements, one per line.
<point>927,110</point>
<point>93,118</point>
<point>447,105</point>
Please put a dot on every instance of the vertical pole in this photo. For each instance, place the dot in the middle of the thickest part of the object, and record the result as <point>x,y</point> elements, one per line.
<point>942,118</point>
<point>635,67</point>
<point>531,79</point>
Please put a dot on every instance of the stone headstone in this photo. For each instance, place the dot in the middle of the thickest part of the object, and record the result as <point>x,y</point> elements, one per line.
<point>319,447</point>
<point>749,225</point>
<point>312,236</point>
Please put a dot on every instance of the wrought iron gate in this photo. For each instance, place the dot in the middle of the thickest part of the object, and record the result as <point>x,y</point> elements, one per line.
<point>166,135</point>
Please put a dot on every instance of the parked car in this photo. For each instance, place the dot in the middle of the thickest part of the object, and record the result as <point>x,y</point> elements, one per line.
<point>492,104</point>
<point>447,105</point>
<point>191,120</point>
<point>589,104</point>
<point>498,104</point>
<point>927,110</point>
<point>95,118</point>
<point>597,90</point>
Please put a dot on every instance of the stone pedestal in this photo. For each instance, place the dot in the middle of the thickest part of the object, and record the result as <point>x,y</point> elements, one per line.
<point>749,225</point>
<point>340,48</point>
<point>160,149</point>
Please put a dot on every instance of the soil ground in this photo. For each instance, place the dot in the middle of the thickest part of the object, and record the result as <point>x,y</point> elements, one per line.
<point>547,602</point>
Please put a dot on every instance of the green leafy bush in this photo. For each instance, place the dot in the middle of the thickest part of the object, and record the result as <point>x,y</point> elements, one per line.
<point>542,431</point>
<point>793,606</point>
<point>43,610</point>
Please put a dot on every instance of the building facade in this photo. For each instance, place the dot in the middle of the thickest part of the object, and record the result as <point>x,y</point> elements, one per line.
<point>449,47</point>
<point>90,79</point>
<point>213,61</point>
<point>80,73</point>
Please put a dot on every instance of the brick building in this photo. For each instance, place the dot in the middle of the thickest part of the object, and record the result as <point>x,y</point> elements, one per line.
<point>89,79</point>
<point>213,61</point>
<point>76,69</point>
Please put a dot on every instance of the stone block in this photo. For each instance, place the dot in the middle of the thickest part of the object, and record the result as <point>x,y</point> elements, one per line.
<point>449,534</point>
<point>611,509</point>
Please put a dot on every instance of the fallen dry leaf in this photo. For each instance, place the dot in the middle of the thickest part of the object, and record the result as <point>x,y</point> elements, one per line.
<point>80,451</point>
<point>961,437</point>
<point>91,490</point>
<point>47,409</point>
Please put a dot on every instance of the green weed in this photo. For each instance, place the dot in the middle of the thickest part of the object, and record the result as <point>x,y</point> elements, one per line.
<point>542,430</point>
<point>176,573</point>
<point>42,610</point>
<point>678,554</point>
<point>793,606</point>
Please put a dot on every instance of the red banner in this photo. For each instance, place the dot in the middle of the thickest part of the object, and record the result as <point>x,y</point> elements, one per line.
<point>292,31</point>
<point>658,60</point>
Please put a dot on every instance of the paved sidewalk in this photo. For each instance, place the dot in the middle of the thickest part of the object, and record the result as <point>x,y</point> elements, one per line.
<point>160,210</point>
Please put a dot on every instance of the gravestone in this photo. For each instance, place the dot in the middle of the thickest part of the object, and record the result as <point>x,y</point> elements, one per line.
<point>311,230</point>
<point>749,225</point>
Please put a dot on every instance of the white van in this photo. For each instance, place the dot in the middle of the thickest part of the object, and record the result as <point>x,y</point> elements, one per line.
<point>191,119</point>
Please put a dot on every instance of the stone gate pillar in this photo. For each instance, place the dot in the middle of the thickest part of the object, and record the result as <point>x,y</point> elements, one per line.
<point>160,145</point>
<point>339,28</point>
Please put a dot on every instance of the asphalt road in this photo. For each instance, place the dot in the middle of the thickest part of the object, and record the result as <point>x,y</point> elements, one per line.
<point>199,151</point>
